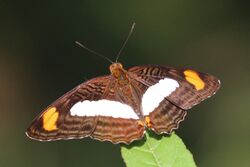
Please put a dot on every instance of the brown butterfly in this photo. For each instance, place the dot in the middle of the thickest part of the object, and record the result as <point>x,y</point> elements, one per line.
<point>119,107</point>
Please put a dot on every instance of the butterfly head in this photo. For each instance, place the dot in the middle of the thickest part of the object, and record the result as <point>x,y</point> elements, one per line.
<point>115,66</point>
<point>118,71</point>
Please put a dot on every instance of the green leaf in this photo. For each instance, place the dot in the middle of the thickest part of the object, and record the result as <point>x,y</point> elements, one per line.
<point>157,151</point>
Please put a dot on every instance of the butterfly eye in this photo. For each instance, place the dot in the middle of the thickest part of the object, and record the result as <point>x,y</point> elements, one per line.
<point>120,65</point>
<point>111,67</point>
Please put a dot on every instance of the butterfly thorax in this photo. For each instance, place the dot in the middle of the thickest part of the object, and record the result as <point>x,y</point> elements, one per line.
<point>119,73</point>
<point>123,87</point>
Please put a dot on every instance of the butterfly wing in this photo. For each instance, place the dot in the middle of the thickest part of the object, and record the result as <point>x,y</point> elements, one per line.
<point>91,109</point>
<point>169,92</point>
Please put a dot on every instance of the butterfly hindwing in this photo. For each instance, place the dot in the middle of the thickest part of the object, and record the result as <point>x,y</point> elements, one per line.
<point>75,115</point>
<point>165,118</point>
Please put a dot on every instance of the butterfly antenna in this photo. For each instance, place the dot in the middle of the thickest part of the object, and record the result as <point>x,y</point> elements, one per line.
<point>124,44</point>
<point>92,51</point>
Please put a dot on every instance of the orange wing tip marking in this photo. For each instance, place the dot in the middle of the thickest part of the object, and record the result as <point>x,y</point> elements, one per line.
<point>49,119</point>
<point>148,122</point>
<point>193,78</point>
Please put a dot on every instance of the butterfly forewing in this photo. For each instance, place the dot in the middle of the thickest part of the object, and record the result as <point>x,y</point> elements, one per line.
<point>193,88</point>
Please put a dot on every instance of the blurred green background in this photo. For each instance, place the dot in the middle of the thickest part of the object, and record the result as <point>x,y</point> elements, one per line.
<point>39,61</point>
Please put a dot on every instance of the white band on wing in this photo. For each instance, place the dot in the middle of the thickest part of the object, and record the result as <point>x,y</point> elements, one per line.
<point>156,93</point>
<point>103,108</point>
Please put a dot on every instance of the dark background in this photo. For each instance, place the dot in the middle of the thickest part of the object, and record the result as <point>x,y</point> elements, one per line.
<point>39,62</point>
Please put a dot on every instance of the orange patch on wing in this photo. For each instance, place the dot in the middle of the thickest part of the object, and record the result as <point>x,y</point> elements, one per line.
<point>148,122</point>
<point>49,119</point>
<point>193,78</point>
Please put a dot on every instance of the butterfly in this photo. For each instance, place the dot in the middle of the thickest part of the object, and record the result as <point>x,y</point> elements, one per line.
<point>119,107</point>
